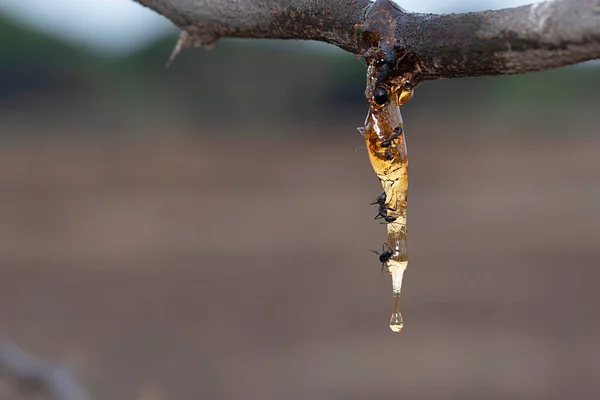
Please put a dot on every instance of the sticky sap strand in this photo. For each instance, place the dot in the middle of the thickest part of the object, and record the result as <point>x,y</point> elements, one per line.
<point>391,166</point>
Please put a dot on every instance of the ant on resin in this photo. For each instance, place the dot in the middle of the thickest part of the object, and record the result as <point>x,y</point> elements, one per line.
<point>382,214</point>
<point>389,63</point>
<point>385,255</point>
<point>380,95</point>
<point>389,154</point>
<point>382,209</point>
<point>397,132</point>
<point>390,59</point>
<point>384,73</point>
<point>380,199</point>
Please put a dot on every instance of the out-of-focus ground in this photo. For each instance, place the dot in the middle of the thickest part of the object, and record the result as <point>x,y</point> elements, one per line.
<point>221,270</point>
<point>202,232</point>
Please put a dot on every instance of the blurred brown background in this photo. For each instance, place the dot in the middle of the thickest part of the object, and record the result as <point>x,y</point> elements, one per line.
<point>201,232</point>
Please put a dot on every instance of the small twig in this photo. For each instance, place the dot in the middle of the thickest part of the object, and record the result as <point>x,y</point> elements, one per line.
<point>30,370</point>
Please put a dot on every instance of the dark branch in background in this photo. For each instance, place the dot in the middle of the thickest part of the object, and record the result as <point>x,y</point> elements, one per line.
<point>32,372</point>
<point>540,36</point>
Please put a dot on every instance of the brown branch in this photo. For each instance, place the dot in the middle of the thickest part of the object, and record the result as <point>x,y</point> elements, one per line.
<point>331,21</point>
<point>536,37</point>
<point>31,371</point>
<point>541,36</point>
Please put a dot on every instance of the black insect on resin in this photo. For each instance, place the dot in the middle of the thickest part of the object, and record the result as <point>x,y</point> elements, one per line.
<point>388,219</point>
<point>390,59</point>
<point>382,214</point>
<point>397,132</point>
<point>384,73</point>
<point>384,256</point>
<point>388,154</point>
<point>380,199</point>
<point>380,96</point>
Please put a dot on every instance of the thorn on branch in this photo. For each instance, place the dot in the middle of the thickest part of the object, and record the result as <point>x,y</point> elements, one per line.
<point>189,40</point>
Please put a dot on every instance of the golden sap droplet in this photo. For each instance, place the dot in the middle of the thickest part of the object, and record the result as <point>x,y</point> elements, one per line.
<point>396,327</point>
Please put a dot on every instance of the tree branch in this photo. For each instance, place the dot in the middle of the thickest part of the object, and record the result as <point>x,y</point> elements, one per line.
<point>536,37</point>
<point>30,370</point>
<point>331,21</point>
<point>541,36</point>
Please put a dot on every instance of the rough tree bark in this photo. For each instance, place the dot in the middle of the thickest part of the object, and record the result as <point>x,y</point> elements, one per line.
<point>540,36</point>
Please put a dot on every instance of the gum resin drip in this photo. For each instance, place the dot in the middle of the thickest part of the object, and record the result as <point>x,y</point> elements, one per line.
<point>390,163</point>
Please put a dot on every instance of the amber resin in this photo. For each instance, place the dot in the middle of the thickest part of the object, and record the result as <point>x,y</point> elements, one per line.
<point>386,145</point>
